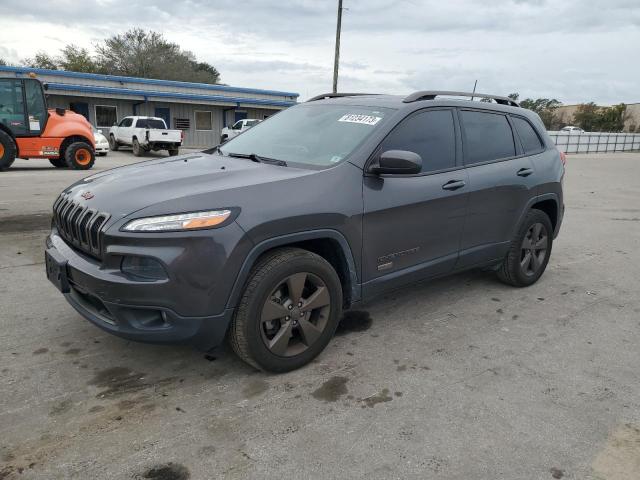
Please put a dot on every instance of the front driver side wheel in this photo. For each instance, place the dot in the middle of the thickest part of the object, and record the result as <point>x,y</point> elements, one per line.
<point>529,252</point>
<point>289,310</point>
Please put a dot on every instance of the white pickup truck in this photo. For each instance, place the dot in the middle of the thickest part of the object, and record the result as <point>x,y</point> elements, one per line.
<point>144,134</point>
<point>237,128</point>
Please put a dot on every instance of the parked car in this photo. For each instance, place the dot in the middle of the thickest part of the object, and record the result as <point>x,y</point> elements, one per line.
<point>265,239</point>
<point>237,128</point>
<point>144,134</point>
<point>572,129</point>
<point>102,144</point>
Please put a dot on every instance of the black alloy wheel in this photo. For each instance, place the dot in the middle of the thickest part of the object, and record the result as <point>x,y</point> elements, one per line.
<point>295,314</point>
<point>534,249</point>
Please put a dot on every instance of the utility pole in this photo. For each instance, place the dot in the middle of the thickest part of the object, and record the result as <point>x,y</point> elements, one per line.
<point>474,88</point>
<point>336,60</point>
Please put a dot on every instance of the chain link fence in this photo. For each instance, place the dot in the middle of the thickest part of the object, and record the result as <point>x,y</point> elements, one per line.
<point>595,142</point>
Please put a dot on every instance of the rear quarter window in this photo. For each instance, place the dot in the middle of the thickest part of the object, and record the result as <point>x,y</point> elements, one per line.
<point>488,136</point>
<point>530,140</point>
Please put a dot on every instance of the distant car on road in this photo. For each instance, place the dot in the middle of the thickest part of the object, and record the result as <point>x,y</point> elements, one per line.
<point>571,129</point>
<point>102,144</point>
<point>144,134</point>
<point>237,128</point>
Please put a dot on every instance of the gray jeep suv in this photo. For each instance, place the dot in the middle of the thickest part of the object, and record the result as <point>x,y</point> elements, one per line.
<point>266,239</point>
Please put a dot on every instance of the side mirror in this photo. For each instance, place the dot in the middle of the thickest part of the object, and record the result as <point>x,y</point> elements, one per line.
<point>398,162</point>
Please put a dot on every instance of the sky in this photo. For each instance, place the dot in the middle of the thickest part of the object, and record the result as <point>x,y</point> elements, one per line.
<point>572,50</point>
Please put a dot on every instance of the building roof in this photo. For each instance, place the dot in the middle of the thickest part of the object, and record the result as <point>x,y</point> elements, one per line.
<point>94,84</point>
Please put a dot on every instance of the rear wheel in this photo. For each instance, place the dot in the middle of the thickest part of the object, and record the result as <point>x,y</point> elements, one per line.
<point>289,310</point>
<point>173,152</point>
<point>80,156</point>
<point>529,251</point>
<point>137,149</point>
<point>58,162</point>
<point>113,143</point>
<point>7,150</point>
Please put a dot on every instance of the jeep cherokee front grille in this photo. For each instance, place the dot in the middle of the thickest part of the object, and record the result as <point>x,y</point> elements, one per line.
<point>79,225</point>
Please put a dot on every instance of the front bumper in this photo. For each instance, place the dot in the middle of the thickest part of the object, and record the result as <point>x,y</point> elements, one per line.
<point>100,296</point>
<point>102,148</point>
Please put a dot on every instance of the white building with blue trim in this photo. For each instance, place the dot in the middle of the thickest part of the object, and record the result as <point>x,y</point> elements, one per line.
<point>200,110</point>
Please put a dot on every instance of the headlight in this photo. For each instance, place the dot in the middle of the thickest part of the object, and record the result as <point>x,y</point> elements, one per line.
<point>182,221</point>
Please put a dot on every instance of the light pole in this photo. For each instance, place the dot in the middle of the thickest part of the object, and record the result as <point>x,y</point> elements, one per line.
<point>336,60</point>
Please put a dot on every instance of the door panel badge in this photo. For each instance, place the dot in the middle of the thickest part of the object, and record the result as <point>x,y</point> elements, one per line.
<point>385,262</point>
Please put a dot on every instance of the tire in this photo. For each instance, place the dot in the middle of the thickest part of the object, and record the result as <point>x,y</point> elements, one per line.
<point>173,152</point>
<point>138,151</point>
<point>113,143</point>
<point>267,293</point>
<point>529,252</point>
<point>8,150</point>
<point>80,156</point>
<point>223,138</point>
<point>58,162</point>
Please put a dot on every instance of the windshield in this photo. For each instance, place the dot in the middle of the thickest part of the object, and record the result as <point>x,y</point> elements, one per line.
<point>311,134</point>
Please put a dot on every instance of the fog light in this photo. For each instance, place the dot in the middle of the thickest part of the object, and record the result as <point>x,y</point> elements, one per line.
<point>143,268</point>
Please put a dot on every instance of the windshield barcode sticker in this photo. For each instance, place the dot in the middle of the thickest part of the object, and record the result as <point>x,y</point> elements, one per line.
<point>364,119</point>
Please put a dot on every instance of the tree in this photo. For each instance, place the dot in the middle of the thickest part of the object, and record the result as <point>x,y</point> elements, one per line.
<point>586,116</point>
<point>611,119</point>
<point>41,60</point>
<point>77,59</point>
<point>3,62</point>
<point>544,107</point>
<point>145,54</point>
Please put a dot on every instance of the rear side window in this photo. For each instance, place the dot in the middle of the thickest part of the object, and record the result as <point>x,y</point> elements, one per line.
<point>430,134</point>
<point>488,136</point>
<point>529,138</point>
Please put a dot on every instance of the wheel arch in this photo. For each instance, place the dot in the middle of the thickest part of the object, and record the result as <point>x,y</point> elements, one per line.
<point>8,131</point>
<point>329,244</point>
<point>548,203</point>
<point>73,139</point>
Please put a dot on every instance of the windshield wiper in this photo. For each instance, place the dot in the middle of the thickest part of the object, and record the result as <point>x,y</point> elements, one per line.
<point>257,158</point>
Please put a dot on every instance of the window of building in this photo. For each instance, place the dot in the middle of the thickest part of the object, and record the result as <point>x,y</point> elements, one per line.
<point>106,115</point>
<point>430,134</point>
<point>530,140</point>
<point>488,136</point>
<point>204,121</point>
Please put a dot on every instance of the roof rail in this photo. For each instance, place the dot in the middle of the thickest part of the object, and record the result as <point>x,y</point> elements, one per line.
<point>336,95</point>
<point>432,94</point>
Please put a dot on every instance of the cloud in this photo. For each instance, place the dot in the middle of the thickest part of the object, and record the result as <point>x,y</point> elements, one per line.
<point>575,50</point>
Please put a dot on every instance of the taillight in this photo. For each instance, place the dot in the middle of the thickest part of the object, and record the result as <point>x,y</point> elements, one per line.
<point>181,135</point>
<point>563,157</point>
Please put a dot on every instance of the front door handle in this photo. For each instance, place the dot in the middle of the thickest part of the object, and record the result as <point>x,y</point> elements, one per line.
<point>525,172</point>
<point>453,185</point>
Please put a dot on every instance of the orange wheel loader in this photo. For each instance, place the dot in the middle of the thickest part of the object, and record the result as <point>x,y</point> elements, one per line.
<point>29,130</point>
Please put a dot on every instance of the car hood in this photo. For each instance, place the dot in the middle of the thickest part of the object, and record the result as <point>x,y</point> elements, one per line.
<point>178,184</point>
<point>99,138</point>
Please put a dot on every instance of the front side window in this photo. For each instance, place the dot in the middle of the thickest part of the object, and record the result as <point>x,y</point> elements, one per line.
<point>430,134</point>
<point>529,138</point>
<point>237,125</point>
<point>310,134</point>
<point>106,116</point>
<point>12,112</point>
<point>488,136</point>
<point>204,121</point>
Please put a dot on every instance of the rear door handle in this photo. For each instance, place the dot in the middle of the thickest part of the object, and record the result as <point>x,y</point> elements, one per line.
<point>453,185</point>
<point>525,172</point>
